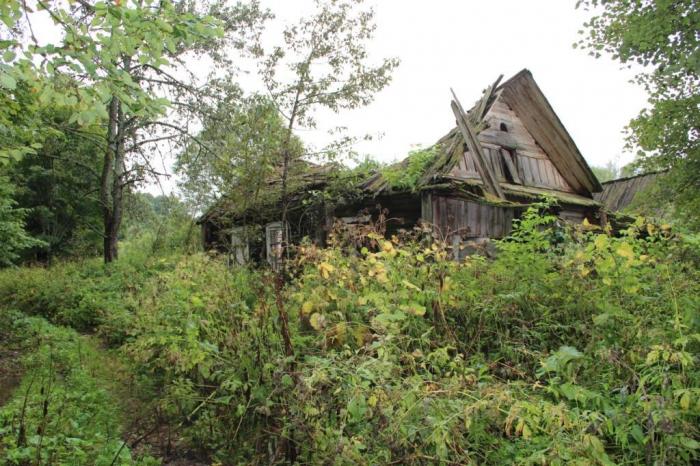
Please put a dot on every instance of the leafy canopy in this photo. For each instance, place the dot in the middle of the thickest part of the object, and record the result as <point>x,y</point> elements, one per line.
<point>662,37</point>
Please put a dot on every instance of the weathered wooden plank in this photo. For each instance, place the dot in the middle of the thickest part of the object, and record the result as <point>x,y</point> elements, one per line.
<point>524,162</point>
<point>485,103</point>
<point>510,166</point>
<point>490,184</point>
<point>426,207</point>
<point>537,172</point>
<point>528,102</point>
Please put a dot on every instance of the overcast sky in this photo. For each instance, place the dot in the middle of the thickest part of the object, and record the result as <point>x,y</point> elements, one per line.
<point>466,44</point>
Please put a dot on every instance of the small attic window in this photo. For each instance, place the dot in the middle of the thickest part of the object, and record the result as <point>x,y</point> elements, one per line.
<point>503,127</point>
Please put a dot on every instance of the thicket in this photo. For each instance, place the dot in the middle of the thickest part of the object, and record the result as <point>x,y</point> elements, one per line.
<point>571,346</point>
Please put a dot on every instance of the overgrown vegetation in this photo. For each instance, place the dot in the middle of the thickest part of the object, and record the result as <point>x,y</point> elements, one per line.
<point>570,347</point>
<point>406,175</point>
<point>63,412</point>
<point>566,345</point>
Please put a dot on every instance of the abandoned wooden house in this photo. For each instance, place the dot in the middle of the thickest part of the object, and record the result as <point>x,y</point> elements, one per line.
<point>507,151</point>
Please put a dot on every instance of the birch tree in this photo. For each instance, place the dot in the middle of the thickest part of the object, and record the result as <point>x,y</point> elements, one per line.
<point>324,62</point>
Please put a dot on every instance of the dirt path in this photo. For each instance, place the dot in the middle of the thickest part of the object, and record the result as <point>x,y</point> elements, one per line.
<point>10,371</point>
<point>145,432</point>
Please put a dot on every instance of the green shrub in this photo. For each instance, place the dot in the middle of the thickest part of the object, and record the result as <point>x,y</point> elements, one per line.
<point>405,176</point>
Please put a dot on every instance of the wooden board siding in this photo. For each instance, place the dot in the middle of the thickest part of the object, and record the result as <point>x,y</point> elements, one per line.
<point>525,98</point>
<point>512,148</point>
<point>618,194</point>
<point>454,216</point>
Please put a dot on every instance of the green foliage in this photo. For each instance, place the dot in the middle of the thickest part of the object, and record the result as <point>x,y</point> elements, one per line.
<point>158,225</point>
<point>57,187</point>
<point>607,172</point>
<point>144,32</point>
<point>84,295</point>
<point>62,413</point>
<point>406,175</point>
<point>13,236</point>
<point>661,36</point>
<point>21,126</point>
<point>571,346</point>
<point>244,140</point>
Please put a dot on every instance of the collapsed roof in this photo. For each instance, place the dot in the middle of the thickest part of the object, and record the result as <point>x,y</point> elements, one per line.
<point>511,118</point>
<point>509,146</point>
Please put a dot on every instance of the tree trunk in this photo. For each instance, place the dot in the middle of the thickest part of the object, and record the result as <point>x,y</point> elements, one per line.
<point>106,180</point>
<point>117,186</point>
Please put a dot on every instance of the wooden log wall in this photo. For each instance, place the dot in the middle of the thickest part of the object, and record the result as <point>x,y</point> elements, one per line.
<point>453,216</point>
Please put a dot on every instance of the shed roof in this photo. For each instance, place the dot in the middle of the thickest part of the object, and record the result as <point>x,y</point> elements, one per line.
<point>620,193</point>
<point>302,178</point>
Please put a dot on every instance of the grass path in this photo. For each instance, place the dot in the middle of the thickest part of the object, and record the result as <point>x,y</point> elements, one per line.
<point>72,403</point>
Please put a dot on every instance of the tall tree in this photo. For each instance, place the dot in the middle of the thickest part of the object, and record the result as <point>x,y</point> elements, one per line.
<point>125,59</point>
<point>323,63</point>
<point>58,186</point>
<point>661,36</point>
<point>243,138</point>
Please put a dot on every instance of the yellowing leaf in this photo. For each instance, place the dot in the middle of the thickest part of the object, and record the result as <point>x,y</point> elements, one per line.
<point>387,246</point>
<point>408,284</point>
<point>338,334</point>
<point>317,321</point>
<point>685,401</point>
<point>360,335</point>
<point>601,241</point>
<point>326,269</point>
<point>413,308</point>
<point>625,250</point>
<point>588,226</point>
<point>652,357</point>
<point>372,401</point>
<point>307,307</point>
<point>446,284</point>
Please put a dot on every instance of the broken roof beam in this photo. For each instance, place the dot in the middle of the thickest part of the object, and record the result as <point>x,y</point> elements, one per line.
<point>491,184</point>
<point>477,114</point>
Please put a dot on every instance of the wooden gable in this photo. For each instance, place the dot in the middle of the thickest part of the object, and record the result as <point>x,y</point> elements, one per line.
<point>512,153</point>
<point>522,94</point>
